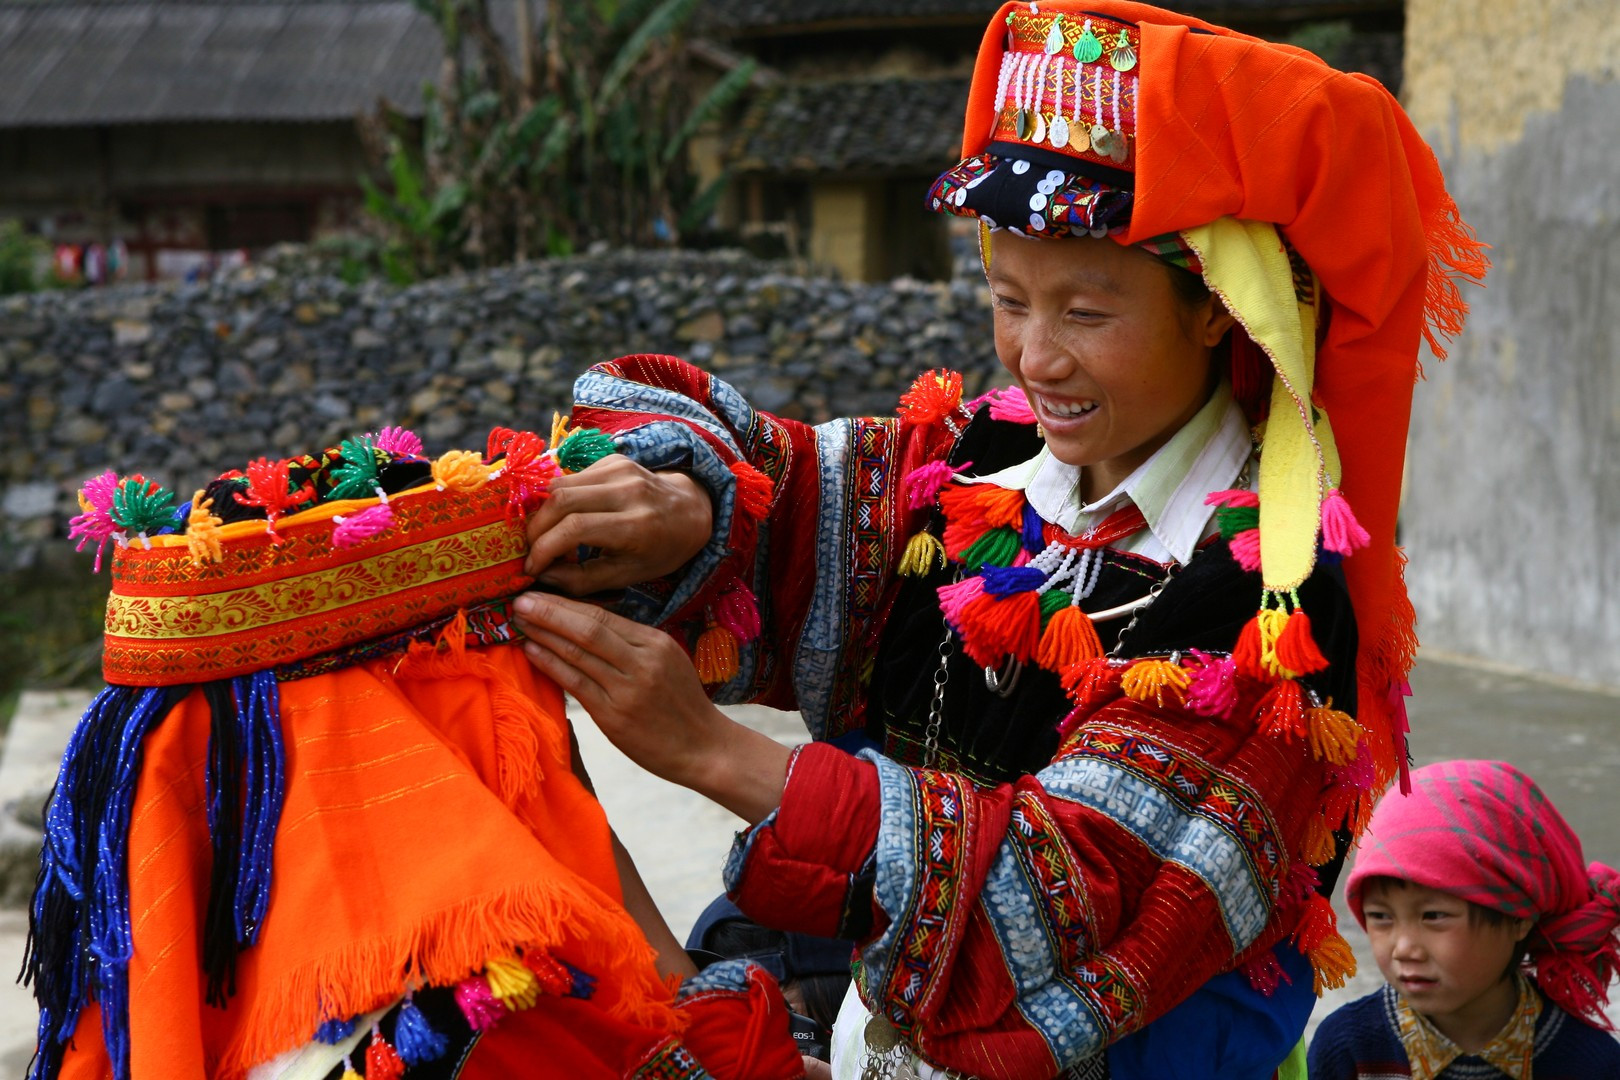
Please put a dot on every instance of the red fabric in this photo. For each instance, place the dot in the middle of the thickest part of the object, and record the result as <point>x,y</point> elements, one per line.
<point>742,1036</point>
<point>1483,830</point>
<point>1154,921</point>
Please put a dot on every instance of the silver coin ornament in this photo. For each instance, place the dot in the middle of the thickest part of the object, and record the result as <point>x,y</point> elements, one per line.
<point>881,1036</point>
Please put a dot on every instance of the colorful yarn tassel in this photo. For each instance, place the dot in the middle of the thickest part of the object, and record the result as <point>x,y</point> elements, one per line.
<point>512,983</point>
<point>1245,548</point>
<point>738,611</point>
<point>955,597</point>
<point>1334,736</point>
<point>583,448</point>
<point>1271,622</point>
<point>1232,497</point>
<point>1012,405</point>
<point>202,531</point>
<point>397,442</point>
<point>1235,519</point>
<point>1212,689</point>
<point>1265,974</point>
<point>1317,936</point>
<point>499,439</point>
<point>349,1072</point>
<point>371,522</point>
<point>552,974</point>
<point>143,508</point>
<point>559,428</point>
<point>754,490</point>
<point>1282,711</point>
<point>925,482</point>
<point>997,547</point>
<point>1069,638</point>
<point>1091,682</point>
<point>995,627</point>
<point>1007,580</point>
<point>478,1004</point>
<point>1301,884</point>
<point>95,523</point>
<point>1341,532</point>
<point>1318,845</point>
<point>528,470</point>
<point>333,1031</point>
<point>1247,654</point>
<point>270,489</point>
<point>460,470</point>
<point>382,1061</point>
<point>1296,649</point>
<point>933,396</point>
<point>355,476</point>
<point>415,1038</point>
<point>1157,681</point>
<point>923,553</point>
<point>716,656</point>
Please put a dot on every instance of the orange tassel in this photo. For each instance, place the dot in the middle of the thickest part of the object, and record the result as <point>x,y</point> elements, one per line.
<point>1296,648</point>
<point>1091,682</point>
<point>1247,653</point>
<point>1319,844</point>
<point>754,490</point>
<point>1317,936</point>
<point>1282,712</point>
<point>1155,680</point>
<point>716,656</point>
<point>1333,734</point>
<point>1070,638</point>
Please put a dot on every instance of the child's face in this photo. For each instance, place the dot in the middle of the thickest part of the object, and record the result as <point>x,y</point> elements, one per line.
<point>1114,363</point>
<point>1451,968</point>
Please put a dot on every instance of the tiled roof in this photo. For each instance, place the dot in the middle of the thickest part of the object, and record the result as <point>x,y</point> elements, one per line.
<point>868,126</point>
<point>84,62</point>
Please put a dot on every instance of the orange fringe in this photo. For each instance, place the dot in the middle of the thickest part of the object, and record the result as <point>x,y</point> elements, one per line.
<point>1455,251</point>
<point>1318,846</point>
<point>1317,936</point>
<point>716,656</point>
<point>1156,680</point>
<point>754,490</point>
<point>1333,734</point>
<point>1070,638</point>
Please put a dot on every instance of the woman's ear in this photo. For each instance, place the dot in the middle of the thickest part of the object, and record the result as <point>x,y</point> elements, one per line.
<point>1214,322</point>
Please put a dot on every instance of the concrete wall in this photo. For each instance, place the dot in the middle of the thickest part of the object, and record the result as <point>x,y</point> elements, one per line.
<point>1513,501</point>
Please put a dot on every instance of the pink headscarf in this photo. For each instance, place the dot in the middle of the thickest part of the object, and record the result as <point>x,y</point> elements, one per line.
<point>1482,830</point>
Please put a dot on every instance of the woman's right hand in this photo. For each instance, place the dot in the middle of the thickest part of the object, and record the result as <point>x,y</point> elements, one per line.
<point>642,525</point>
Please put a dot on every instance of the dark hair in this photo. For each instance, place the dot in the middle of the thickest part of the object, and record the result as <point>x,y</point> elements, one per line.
<point>823,992</point>
<point>1478,914</point>
<point>1188,286</point>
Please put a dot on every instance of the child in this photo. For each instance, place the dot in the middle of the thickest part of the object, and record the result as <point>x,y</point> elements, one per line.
<point>1464,887</point>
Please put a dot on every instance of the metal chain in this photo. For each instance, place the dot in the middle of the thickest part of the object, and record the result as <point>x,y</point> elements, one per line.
<point>936,708</point>
<point>1153,594</point>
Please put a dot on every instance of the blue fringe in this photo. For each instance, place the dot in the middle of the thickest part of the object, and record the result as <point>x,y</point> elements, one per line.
<point>265,784</point>
<point>1033,534</point>
<point>1006,580</point>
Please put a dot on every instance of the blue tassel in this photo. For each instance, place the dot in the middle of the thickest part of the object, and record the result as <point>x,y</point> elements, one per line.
<point>581,985</point>
<point>1033,534</point>
<point>415,1038</point>
<point>1006,580</point>
<point>334,1031</point>
<point>265,785</point>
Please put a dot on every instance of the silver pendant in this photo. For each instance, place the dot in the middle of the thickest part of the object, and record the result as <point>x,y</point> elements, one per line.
<point>1058,132</point>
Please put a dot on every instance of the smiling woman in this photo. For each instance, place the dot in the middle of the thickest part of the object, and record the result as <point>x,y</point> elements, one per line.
<point>1093,718</point>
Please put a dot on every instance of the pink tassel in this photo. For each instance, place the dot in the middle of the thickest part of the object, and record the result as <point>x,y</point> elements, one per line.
<point>1341,532</point>
<point>1398,693</point>
<point>738,612</point>
<point>956,596</point>
<point>925,482</point>
<point>1265,974</point>
<point>1213,690</point>
<point>1011,405</point>
<point>95,524</point>
<point>1245,548</point>
<point>479,1004</point>
<point>1302,882</point>
<point>357,528</point>
<point>401,442</point>
<point>1232,497</point>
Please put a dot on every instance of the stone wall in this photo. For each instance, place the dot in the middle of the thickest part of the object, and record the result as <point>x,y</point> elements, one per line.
<point>182,383</point>
<point>1513,501</point>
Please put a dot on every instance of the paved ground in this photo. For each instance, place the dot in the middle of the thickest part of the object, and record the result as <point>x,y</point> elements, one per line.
<point>1567,739</point>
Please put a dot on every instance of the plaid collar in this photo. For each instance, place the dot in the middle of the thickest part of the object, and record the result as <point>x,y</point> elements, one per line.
<point>1512,1050</point>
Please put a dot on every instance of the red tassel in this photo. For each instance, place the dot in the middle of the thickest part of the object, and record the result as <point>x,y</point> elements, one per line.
<point>382,1061</point>
<point>268,482</point>
<point>499,438</point>
<point>932,396</point>
<point>1249,654</point>
<point>1317,936</point>
<point>1265,974</point>
<point>1070,638</point>
<point>1091,683</point>
<point>1282,712</point>
<point>1296,647</point>
<point>754,490</point>
<point>995,627</point>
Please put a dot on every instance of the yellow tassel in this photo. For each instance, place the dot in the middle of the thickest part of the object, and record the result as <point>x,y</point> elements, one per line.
<point>716,656</point>
<point>512,982</point>
<point>922,552</point>
<point>559,429</point>
<point>1271,622</point>
<point>202,531</point>
<point>1155,680</point>
<point>1334,736</point>
<point>1319,845</point>
<point>350,1074</point>
<point>460,470</point>
<point>1332,964</point>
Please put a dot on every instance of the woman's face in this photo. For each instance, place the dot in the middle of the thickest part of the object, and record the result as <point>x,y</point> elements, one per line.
<point>1113,361</point>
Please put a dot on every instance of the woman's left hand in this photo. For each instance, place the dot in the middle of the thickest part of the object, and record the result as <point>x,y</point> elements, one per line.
<point>640,688</point>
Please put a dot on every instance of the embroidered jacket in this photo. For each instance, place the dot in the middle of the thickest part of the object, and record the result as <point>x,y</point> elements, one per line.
<point>1049,893</point>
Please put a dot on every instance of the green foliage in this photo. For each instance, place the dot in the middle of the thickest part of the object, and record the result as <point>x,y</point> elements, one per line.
<point>51,626</point>
<point>1325,39</point>
<point>21,254</point>
<point>583,140</point>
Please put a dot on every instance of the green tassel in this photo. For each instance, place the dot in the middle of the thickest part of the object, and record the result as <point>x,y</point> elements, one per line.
<point>583,448</point>
<point>141,507</point>
<point>356,477</point>
<point>1236,519</point>
<point>997,547</point>
<point>1052,602</point>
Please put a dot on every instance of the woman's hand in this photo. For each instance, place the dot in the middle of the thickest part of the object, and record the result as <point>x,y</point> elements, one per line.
<point>640,688</point>
<point>644,524</point>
